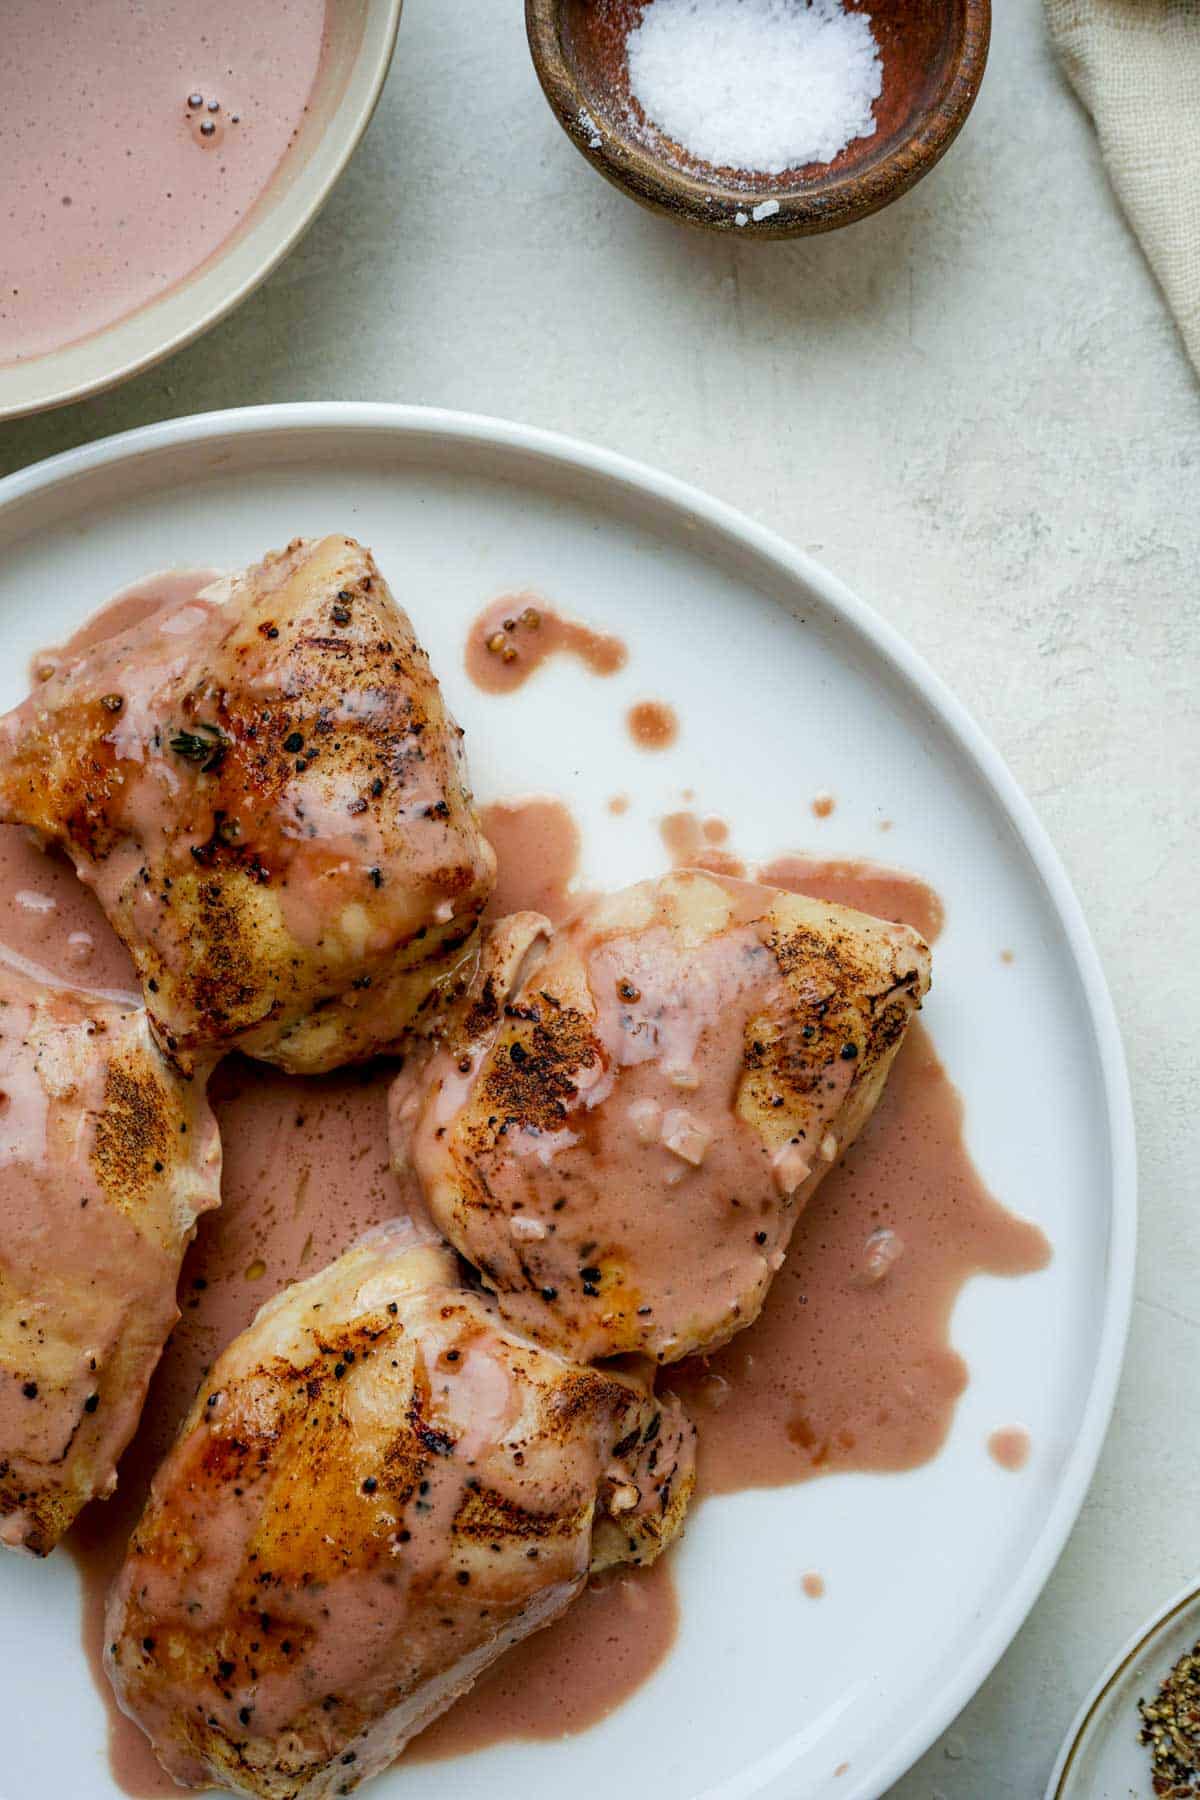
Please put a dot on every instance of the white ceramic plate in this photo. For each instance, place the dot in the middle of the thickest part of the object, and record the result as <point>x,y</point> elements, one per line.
<point>1103,1757</point>
<point>785,685</point>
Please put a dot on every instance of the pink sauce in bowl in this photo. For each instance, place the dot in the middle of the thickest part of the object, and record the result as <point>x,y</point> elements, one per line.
<point>134,141</point>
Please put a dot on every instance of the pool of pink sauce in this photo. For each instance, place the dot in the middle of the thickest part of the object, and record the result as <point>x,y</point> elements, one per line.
<point>841,1371</point>
<point>114,189</point>
<point>132,606</point>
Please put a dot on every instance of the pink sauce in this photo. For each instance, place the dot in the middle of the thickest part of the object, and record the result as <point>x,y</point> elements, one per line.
<point>846,1370</point>
<point>516,634</point>
<point>116,187</point>
<point>132,606</point>
<point>813,1585</point>
<point>572,1675</point>
<point>1010,1447</point>
<point>45,937</point>
<point>618,804</point>
<point>849,1366</point>
<point>692,843</point>
<point>823,805</point>
<point>537,844</point>
<point>653,725</point>
<point>869,887</point>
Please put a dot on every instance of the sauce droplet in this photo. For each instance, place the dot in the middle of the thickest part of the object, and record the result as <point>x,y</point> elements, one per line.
<point>653,725</point>
<point>823,804</point>
<point>1010,1447</point>
<point>813,1585</point>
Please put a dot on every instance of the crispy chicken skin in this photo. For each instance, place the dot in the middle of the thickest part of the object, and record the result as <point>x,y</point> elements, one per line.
<point>108,1158</point>
<point>379,1488</point>
<point>630,1114</point>
<point>266,792</point>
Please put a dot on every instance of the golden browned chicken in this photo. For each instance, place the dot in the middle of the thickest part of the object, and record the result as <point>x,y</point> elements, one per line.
<point>108,1157</point>
<point>379,1488</point>
<point>623,1127</point>
<point>266,792</point>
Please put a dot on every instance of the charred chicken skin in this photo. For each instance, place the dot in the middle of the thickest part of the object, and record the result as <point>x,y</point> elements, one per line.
<point>379,1488</point>
<point>624,1125</point>
<point>265,790</point>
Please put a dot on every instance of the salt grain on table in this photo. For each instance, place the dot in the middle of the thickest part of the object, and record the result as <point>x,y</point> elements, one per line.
<point>763,85</point>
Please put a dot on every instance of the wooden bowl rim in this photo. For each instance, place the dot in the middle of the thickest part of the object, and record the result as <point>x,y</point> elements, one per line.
<point>814,205</point>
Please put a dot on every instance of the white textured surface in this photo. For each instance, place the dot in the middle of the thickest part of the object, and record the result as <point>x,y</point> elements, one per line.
<point>975,409</point>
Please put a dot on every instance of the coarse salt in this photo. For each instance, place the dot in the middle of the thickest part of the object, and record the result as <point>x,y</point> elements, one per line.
<point>765,85</point>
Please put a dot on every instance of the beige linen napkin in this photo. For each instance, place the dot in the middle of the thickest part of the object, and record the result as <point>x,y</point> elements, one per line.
<point>1135,64</point>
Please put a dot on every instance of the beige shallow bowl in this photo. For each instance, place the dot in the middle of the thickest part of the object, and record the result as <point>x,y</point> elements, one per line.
<point>362,36</point>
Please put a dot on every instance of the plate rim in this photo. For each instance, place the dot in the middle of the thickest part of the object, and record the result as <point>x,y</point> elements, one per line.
<point>682,498</point>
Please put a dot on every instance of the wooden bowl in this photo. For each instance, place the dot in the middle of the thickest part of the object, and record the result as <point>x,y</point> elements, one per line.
<point>933,52</point>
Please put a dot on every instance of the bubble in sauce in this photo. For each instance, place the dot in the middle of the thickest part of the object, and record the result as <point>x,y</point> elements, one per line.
<point>881,1253</point>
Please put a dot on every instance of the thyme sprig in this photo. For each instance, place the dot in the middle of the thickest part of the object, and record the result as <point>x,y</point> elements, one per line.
<point>203,744</point>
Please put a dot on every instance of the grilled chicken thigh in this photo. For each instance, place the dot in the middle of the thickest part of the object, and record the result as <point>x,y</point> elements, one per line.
<point>108,1158</point>
<point>624,1126</point>
<point>265,790</point>
<point>379,1488</point>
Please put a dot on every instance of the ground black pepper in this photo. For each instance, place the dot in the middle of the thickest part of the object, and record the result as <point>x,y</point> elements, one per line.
<point>1171,1731</point>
